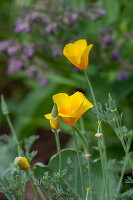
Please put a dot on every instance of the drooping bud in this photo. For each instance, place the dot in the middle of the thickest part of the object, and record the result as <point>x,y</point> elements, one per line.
<point>4,106</point>
<point>87,155</point>
<point>98,135</point>
<point>54,120</point>
<point>21,162</point>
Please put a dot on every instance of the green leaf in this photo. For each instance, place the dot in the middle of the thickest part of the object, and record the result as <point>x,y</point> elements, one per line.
<point>29,106</point>
<point>72,177</point>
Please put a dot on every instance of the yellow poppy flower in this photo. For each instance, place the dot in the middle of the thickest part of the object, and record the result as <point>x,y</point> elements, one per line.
<point>78,53</point>
<point>21,162</point>
<point>70,108</point>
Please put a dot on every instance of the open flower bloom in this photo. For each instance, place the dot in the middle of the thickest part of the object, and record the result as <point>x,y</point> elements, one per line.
<point>70,108</point>
<point>54,118</point>
<point>21,162</point>
<point>78,53</point>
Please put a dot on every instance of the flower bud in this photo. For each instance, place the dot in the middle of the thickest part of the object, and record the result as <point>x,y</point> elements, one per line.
<point>4,106</point>
<point>98,135</point>
<point>54,123</point>
<point>54,119</point>
<point>21,162</point>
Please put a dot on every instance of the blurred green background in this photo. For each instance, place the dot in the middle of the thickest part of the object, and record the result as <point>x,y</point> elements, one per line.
<point>33,69</point>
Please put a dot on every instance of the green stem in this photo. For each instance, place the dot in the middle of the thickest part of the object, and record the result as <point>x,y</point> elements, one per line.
<point>103,167</point>
<point>85,145</point>
<point>83,139</point>
<point>32,183</point>
<point>86,198</point>
<point>81,123</point>
<point>103,142</point>
<point>90,86</point>
<point>121,177</point>
<point>127,153</point>
<point>39,190</point>
<point>59,151</point>
<point>14,134</point>
<point>81,174</point>
<point>90,182</point>
<point>123,144</point>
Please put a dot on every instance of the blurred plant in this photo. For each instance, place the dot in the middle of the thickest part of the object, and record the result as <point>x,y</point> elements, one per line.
<point>50,184</point>
<point>40,32</point>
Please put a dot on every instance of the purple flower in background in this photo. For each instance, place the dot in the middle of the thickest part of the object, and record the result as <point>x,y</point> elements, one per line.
<point>74,16</point>
<point>101,12</point>
<point>43,80</point>
<point>116,56</point>
<point>29,50</point>
<point>75,69</point>
<point>123,75</point>
<point>31,71</point>
<point>106,40</point>
<point>50,28</point>
<point>57,54</point>
<point>14,65</point>
<point>3,45</point>
<point>32,16</point>
<point>22,27</point>
<point>102,32</point>
<point>71,17</point>
<point>110,29</point>
<point>12,49</point>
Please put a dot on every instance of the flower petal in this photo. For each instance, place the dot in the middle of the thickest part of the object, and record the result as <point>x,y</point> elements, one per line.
<point>85,57</point>
<point>23,164</point>
<point>71,120</point>
<point>48,116</point>
<point>70,52</point>
<point>80,104</point>
<point>76,100</point>
<point>63,103</point>
<point>74,51</point>
<point>80,46</point>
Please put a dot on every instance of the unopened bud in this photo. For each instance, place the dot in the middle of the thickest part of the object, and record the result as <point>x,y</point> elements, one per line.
<point>54,123</point>
<point>54,120</point>
<point>98,135</point>
<point>21,162</point>
<point>88,155</point>
<point>54,112</point>
<point>4,106</point>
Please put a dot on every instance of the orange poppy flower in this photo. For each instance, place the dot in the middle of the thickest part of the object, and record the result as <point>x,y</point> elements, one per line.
<point>78,53</point>
<point>70,108</point>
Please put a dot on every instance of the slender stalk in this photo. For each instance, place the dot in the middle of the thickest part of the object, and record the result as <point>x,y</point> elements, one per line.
<point>121,177</point>
<point>103,142</point>
<point>90,86</point>
<point>88,162</point>
<point>103,167</point>
<point>83,139</point>
<point>124,146</point>
<point>86,198</point>
<point>14,134</point>
<point>127,153</point>
<point>59,151</point>
<point>81,123</point>
<point>32,183</point>
<point>81,174</point>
